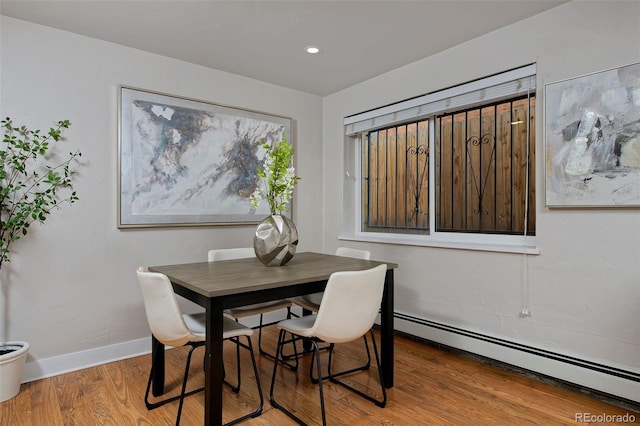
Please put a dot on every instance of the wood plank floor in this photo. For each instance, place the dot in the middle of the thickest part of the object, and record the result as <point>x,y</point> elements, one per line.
<point>433,387</point>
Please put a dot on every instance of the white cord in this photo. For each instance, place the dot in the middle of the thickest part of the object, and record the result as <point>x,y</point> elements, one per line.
<point>525,311</point>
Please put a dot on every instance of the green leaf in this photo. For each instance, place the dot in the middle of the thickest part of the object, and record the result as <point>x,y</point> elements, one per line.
<point>29,188</point>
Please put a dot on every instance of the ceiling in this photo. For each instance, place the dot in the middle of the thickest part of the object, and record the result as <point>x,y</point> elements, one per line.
<point>265,40</point>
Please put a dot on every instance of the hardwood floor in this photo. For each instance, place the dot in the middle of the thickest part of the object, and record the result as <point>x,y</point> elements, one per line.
<point>433,387</point>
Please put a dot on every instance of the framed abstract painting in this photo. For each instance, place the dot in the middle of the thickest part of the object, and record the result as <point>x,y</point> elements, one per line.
<point>592,133</point>
<point>184,162</point>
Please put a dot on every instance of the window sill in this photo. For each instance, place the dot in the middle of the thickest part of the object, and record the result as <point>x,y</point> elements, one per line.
<point>429,241</point>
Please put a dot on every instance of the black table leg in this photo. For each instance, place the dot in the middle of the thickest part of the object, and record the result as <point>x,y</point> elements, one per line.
<point>386,330</point>
<point>214,365</point>
<point>157,359</point>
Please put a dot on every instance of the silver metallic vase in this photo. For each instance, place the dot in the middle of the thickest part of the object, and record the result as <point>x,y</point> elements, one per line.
<point>276,240</point>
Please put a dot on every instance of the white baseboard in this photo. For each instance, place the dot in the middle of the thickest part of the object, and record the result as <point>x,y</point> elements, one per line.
<point>610,380</point>
<point>48,367</point>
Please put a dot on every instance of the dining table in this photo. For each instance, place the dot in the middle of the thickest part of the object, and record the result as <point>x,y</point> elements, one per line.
<point>220,285</point>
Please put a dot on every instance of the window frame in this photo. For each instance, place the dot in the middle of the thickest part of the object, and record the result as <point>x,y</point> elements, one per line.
<point>432,238</point>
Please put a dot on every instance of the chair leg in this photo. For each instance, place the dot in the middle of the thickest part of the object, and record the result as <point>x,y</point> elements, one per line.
<point>184,394</point>
<point>329,347</point>
<point>380,403</point>
<point>306,343</point>
<point>236,388</point>
<point>293,367</point>
<point>184,383</point>
<point>260,350</point>
<point>281,342</point>
<point>363,367</point>
<point>305,351</point>
<point>154,405</point>
<point>258,411</point>
<point>317,354</point>
<point>293,341</point>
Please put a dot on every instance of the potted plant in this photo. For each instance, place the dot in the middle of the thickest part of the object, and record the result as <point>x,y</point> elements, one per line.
<point>276,237</point>
<point>30,189</point>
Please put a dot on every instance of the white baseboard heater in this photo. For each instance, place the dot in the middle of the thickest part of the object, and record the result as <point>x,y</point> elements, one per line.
<point>617,382</point>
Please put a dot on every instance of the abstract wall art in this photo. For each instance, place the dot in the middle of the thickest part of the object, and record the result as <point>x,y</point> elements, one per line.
<point>592,133</point>
<point>187,162</point>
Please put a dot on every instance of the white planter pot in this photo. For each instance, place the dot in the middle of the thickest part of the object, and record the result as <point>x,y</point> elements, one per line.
<point>11,367</point>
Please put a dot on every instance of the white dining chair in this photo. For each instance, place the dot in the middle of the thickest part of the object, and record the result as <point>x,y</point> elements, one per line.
<point>348,310</point>
<point>254,309</point>
<point>311,303</point>
<point>172,328</point>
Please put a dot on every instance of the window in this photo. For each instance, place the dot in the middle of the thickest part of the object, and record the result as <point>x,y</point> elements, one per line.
<point>485,169</point>
<point>395,179</point>
<point>462,170</point>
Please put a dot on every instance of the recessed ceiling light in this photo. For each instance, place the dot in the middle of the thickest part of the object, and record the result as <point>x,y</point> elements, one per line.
<point>312,49</point>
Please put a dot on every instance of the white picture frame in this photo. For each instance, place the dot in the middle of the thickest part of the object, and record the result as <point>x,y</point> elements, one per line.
<point>185,162</point>
<point>592,140</point>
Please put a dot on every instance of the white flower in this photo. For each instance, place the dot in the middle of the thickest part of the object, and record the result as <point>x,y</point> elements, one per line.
<point>278,176</point>
<point>256,198</point>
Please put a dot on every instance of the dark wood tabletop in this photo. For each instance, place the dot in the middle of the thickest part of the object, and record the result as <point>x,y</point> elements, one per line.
<point>220,278</point>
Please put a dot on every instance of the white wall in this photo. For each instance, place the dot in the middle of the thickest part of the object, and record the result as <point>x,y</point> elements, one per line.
<point>71,284</point>
<point>585,284</point>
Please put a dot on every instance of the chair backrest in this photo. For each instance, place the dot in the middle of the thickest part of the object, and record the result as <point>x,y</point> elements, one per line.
<point>351,252</point>
<point>350,304</point>
<point>163,313</point>
<point>230,254</point>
